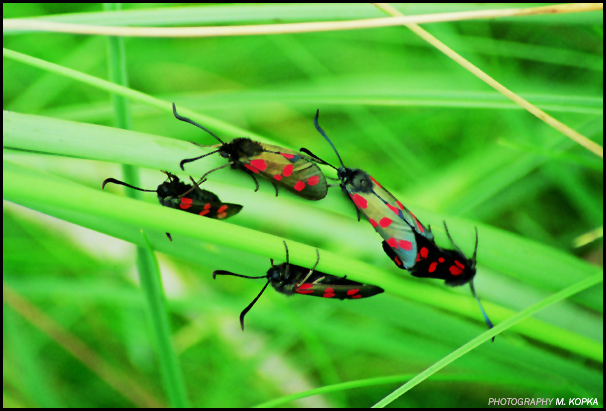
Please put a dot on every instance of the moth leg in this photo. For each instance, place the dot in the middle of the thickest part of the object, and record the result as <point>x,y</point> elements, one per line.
<point>275,186</point>
<point>310,271</point>
<point>195,186</point>
<point>255,180</point>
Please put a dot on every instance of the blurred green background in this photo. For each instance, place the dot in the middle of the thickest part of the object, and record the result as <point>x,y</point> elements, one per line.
<point>448,146</point>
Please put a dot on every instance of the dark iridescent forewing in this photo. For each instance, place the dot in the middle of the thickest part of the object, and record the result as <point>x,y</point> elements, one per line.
<point>212,209</point>
<point>330,286</point>
<point>394,222</point>
<point>292,170</point>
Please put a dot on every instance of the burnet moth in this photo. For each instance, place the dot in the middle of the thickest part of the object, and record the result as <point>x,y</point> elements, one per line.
<point>407,242</point>
<point>175,194</point>
<point>289,279</point>
<point>295,172</point>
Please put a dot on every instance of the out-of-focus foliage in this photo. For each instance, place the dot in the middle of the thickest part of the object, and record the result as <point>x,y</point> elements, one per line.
<point>446,144</point>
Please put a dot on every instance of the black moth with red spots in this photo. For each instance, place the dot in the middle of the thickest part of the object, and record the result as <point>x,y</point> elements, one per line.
<point>292,170</point>
<point>173,193</point>
<point>435,262</point>
<point>289,279</point>
<point>406,241</point>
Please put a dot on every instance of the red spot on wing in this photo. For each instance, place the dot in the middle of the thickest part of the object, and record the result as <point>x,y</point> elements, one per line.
<point>454,270</point>
<point>441,259</point>
<point>221,216</point>
<point>405,245</point>
<point>289,156</point>
<point>352,292</point>
<point>204,212</point>
<point>313,180</point>
<point>278,177</point>
<point>375,181</point>
<point>357,296</point>
<point>394,209</point>
<point>287,170</point>
<point>222,208</point>
<point>398,261</point>
<point>359,201</point>
<point>424,252</point>
<point>329,293</point>
<point>258,163</point>
<point>385,222</point>
<point>421,229</point>
<point>185,203</point>
<point>373,222</point>
<point>300,185</point>
<point>251,168</point>
<point>400,205</point>
<point>306,288</point>
<point>432,267</point>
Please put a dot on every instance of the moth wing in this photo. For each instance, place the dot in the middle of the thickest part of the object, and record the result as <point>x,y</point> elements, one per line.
<point>351,292</point>
<point>398,208</point>
<point>210,209</point>
<point>387,216</point>
<point>292,170</point>
<point>330,286</point>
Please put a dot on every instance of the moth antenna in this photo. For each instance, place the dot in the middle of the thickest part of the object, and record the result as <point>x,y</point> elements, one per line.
<point>326,137</point>
<point>488,322</point>
<point>251,304</point>
<point>122,183</point>
<point>189,160</point>
<point>286,248</point>
<point>187,120</point>
<point>452,241</point>
<point>309,153</point>
<point>475,250</point>
<point>223,272</point>
<point>169,175</point>
<point>287,264</point>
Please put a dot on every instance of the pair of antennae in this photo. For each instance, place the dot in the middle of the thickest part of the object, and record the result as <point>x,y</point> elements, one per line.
<point>190,121</point>
<point>122,183</point>
<point>247,309</point>
<point>475,251</point>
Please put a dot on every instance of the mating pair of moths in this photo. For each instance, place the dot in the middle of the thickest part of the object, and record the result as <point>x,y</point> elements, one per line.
<point>406,241</point>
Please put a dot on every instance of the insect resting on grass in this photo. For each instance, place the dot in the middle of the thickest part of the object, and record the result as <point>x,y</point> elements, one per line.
<point>292,170</point>
<point>196,201</point>
<point>406,241</point>
<point>289,279</point>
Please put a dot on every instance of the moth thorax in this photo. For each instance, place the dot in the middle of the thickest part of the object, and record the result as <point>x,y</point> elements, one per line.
<point>171,188</point>
<point>279,280</point>
<point>358,179</point>
<point>243,146</point>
